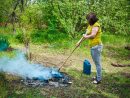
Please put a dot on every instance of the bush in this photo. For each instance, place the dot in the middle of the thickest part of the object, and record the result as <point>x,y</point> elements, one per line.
<point>19,37</point>
<point>48,36</point>
<point>38,36</point>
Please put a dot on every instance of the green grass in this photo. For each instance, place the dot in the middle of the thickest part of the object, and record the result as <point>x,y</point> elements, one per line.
<point>112,86</point>
<point>115,83</point>
<point>117,40</point>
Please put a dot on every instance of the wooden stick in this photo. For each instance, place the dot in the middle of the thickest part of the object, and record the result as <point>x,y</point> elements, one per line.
<point>71,53</point>
<point>67,58</point>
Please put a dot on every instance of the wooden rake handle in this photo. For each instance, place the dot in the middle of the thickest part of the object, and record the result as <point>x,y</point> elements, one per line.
<point>71,54</point>
<point>67,58</point>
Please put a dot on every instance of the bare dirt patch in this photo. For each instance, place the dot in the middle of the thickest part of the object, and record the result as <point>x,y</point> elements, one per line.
<point>57,60</point>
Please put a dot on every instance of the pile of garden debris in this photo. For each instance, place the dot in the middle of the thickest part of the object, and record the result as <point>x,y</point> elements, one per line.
<point>54,82</point>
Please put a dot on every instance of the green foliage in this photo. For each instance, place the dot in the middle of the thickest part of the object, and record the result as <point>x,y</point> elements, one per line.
<point>113,15</point>
<point>69,15</point>
<point>50,36</point>
<point>63,15</point>
<point>5,9</point>
<point>38,36</point>
<point>32,15</point>
<point>19,36</point>
<point>48,18</point>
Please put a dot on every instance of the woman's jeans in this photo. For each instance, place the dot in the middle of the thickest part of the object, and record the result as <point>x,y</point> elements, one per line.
<point>96,56</point>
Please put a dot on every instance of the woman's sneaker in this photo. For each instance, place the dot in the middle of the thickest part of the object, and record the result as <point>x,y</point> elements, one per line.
<point>96,82</point>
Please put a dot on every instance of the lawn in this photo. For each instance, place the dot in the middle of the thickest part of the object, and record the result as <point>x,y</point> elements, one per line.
<point>115,82</point>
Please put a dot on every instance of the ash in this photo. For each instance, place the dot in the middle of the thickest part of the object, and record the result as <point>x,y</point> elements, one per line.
<point>53,82</point>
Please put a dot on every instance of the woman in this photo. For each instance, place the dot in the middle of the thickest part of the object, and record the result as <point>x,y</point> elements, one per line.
<point>93,34</point>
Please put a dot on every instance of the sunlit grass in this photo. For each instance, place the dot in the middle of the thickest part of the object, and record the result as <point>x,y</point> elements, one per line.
<point>114,84</point>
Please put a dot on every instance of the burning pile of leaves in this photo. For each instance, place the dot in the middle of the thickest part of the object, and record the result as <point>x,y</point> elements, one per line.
<point>56,81</point>
<point>33,74</point>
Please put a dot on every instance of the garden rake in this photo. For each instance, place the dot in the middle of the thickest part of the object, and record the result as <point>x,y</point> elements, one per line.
<point>71,53</point>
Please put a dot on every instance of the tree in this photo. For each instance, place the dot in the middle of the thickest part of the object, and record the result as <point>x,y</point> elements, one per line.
<point>67,15</point>
<point>70,14</point>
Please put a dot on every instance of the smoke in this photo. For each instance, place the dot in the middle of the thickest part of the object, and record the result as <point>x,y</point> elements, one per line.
<point>21,67</point>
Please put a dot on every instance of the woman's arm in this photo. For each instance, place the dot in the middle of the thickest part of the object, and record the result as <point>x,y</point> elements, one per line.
<point>93,34</point>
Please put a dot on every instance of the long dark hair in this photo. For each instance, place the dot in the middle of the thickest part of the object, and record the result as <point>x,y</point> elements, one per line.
<point>92,18</point>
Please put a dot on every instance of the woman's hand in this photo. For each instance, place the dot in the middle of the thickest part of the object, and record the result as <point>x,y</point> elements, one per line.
<point>85,36</point>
